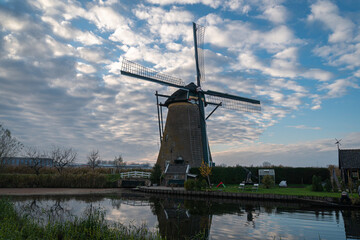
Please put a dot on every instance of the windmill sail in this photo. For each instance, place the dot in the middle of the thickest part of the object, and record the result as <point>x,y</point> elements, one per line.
<point>199,33</point>
<point>136,70</point>
<point>233,102</point>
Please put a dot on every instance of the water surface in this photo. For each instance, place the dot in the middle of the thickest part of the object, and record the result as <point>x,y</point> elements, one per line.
<point>184,218</point>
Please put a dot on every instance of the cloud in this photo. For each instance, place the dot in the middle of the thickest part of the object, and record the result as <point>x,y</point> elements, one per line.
<point>64,30</point>
<point>287,84</point>
<point>316,153</point>
<point>94,54</point>
<point>12,23</point>
<point>124,35</point>
<point>317,74</point>
<point>316,107</point>
<point>357,74</point>
<point>339,87</point>
<point>346,55</point>
<point>85,68</point>
<point>105,18</point>
<point>211,3</point>
<point>282,64</point>
<point>241,35</point>
<point>169,25</point>
<point>343,47</point>
<point>328,13</point>
<point>36,48</point>
<point>237,5</point>
<point>157,15</point>
<point>276,14</point>
<point>304,127</point>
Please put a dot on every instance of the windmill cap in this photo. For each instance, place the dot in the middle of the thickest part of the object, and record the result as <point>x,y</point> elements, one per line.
<point>181,95</point>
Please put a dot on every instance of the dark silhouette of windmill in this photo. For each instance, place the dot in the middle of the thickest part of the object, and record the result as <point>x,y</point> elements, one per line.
<point>185,136</point>
<point>338,143</point>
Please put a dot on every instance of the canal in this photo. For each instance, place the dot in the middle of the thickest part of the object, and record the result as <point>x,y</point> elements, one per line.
<point>184,218</point>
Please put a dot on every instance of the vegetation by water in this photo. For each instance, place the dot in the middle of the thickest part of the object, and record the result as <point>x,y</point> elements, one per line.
<point>295,190</point>
<point>23,177</point>
<point>91,226</point>
<point>237,174</point>
<point>88,180</point>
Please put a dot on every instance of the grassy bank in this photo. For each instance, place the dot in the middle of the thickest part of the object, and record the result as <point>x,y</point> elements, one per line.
<point>91,226</point>
<point>295,190</point>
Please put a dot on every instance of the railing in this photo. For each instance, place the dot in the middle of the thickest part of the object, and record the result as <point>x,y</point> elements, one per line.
<point>135,174</point>
<point>135,202</point>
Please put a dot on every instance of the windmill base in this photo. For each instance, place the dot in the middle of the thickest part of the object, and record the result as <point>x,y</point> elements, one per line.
<point>182,136</point>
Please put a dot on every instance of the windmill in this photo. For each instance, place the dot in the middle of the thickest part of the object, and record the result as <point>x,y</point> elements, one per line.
<point>185,134</point>
<point>338,143</point>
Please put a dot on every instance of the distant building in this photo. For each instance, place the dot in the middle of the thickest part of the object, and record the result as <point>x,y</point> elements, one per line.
<point>263,172</point>
<point>137,166</point>
<point>24,161</point>
<point>349,164</point>
<point>107,165</point>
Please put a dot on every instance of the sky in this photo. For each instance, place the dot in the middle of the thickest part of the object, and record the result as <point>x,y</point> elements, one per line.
<point>60,81</point>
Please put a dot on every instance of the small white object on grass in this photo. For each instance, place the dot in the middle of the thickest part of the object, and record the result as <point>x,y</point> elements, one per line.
<point>283,184</point>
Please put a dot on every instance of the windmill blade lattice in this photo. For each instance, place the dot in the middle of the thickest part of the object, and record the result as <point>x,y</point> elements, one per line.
<point>233,102</point>
<point>136,70</point>
<point>200,33</point>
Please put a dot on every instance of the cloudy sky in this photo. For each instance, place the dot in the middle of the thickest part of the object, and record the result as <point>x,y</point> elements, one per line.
<point>60,81</point>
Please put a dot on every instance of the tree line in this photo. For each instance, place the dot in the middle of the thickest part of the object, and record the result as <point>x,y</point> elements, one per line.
<point>61,157</point>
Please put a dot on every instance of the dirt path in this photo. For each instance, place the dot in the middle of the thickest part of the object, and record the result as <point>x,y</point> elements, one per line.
<point>55,191</point>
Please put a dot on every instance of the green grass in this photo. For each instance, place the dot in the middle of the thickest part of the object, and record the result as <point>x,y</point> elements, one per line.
<point>295,190</point>
<point>113,177</point>
<point>92,226</point>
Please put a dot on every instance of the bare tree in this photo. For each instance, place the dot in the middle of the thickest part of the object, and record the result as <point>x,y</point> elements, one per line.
<point>35,158</point>
<point>62,157</point>
<point>119,162</point>
<point>94,159</point>
<point>9,145</point>
<point>266,164</point>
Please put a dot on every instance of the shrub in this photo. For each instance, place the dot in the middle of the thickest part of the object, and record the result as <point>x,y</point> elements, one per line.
<point>328,186</point>
<point>90,180</point>
<point>316,184</point>
<point>204,184</point>
<point>198,185</point>
<point>156,174</point>
<point>355,201</point>
<point>268,181</point>
<point>195,184</point>
<point>335,187</point>
<point>189,185</point>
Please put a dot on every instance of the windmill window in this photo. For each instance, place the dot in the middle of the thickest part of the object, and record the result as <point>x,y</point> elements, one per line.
<point>166,138</point>
<point>355,174</point>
